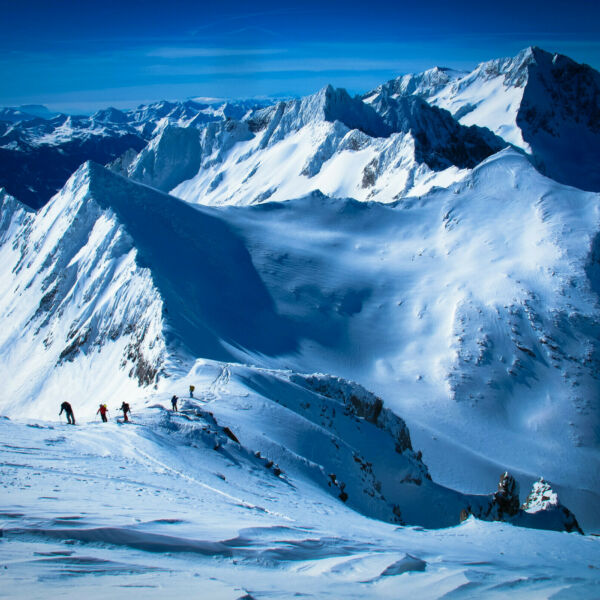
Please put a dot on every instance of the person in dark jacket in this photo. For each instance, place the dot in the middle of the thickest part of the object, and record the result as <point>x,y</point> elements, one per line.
<point>68,411</point>
<point>174,403</point>
<point>125,408</point>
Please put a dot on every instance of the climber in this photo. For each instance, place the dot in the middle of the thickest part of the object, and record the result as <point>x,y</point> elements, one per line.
<point>68,411</point>
<point>125,408</point>
<point>103,410</point>
<point>174,403</point>
<point>192,388</point>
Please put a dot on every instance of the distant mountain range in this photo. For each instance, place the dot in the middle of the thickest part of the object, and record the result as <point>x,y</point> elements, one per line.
<point>39,150</point>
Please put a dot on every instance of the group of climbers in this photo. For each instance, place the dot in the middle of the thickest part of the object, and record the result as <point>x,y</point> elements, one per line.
<point>103,409</point>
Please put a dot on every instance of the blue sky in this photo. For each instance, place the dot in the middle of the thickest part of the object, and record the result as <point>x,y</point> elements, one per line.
<point>79,56</point>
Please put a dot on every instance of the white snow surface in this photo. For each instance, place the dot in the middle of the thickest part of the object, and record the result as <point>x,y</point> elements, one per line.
<point>471,311</point>
<point>169,505</point>
<point>323,156</point>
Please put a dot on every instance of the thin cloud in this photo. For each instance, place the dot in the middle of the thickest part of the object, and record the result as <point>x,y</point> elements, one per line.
<point>207,52</point>
<point>300,65</point>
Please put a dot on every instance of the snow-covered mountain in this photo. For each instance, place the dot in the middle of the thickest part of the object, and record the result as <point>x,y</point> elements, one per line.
<point>40,150</point>
<point>97,289</point>
<point>328,141</point>
<point>37,156</point>
<point>545,103</point>
<point>429,303</point>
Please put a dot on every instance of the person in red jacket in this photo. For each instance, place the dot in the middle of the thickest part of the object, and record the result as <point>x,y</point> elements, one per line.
<point>103,410</point>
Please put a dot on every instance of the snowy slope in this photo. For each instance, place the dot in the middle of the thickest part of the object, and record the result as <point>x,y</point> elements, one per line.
<point>101,313</point>
<point>79,314</point>
<point>470,311</point>
<point>327,141</point>
<point>425,84</point>
<point>544,103</point>
<point>157,509</point>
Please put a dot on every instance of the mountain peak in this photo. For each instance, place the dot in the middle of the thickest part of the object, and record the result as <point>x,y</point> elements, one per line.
<point>336,104</point>
<point>110,115</point>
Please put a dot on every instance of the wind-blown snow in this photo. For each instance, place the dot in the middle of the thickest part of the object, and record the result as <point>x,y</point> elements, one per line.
<point>169,505</point>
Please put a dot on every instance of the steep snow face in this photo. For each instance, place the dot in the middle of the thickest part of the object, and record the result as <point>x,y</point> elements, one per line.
<point>175,155</point>
<point>86,280</point>
<point>544,103</point>
<point>329,432</point>
<point>440,141</point>
<point>320,156</point>
<point>489,96</point>
<point>424,84</point>
<point>81,320</point>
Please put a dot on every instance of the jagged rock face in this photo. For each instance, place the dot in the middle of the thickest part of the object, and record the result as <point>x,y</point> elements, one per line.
<point>541,510</point>
<point>354,446</point>
<point>506,497</point>
<point>560,119</point>
<point>503,505</point>
<point>329,104</point>
<point>544,510</point>
<point>439,140</point>
<point>541,497</point>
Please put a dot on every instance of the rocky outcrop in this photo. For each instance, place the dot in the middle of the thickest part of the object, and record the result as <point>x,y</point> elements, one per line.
<point>361,403</point>
<point>541,509</point>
